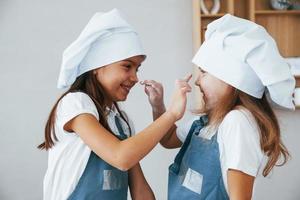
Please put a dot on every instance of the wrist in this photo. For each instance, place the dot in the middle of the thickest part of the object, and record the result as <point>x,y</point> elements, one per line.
<point>171,115</point>
<point>159,109</point>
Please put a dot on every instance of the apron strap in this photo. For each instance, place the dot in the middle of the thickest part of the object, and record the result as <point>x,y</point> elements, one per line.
<point>196,127</point>
<point>120,128</point>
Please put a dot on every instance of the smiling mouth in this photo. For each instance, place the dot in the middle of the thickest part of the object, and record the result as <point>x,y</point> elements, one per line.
<point>127,87</point>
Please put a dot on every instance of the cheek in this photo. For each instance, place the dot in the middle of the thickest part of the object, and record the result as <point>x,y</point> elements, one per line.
<point>207,87</point>
<point>107,83</point>
<point>212,91</point>
<point>210,95</point>
<point>217,91</point>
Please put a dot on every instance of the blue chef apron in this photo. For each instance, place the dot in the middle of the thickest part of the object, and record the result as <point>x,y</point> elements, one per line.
<point>101,180</point>
<point>196,172</point>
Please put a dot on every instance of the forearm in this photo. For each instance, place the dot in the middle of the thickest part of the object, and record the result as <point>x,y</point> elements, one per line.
<point>156,113</point>
<point>133,149</point>
<point>121,154</point>
<point>138,186</point>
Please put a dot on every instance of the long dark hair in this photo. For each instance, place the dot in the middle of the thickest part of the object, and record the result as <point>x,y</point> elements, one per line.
<point>88,84</point>
<point>270,139</point>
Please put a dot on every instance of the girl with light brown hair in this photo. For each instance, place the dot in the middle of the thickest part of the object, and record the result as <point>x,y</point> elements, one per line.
<point>222,151</point>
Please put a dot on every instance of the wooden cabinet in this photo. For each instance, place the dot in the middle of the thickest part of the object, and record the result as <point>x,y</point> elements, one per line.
<point>283,25</point>
<point>200,20</point>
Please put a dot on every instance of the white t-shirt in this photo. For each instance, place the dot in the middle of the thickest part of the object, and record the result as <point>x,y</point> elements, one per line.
<point>68,158</point>
<point>239,142</point>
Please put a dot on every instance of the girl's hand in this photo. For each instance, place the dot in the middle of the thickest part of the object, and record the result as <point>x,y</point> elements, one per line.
<point>179,99</point>
<point>155,93</point>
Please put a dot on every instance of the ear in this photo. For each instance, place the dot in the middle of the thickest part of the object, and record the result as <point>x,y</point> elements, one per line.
<point>95,72</point>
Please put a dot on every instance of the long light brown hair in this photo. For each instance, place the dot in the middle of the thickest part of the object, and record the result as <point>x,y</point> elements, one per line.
<point>88,84</point>
<point>270,139</point>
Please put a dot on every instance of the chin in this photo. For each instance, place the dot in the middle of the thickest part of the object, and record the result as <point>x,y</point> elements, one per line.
<point>123,98</point>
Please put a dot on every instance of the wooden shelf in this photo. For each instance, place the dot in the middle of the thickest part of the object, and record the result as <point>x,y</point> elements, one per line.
<point>283,25</point>
<point>201,20</point>
<point>297,85</point>
<point>297,81</point>
<point>277,12</point>
<point>212,15</point>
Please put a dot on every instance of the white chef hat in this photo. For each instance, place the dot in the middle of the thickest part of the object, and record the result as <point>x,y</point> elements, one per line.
<point>244,55</point>
<point>107,38</point>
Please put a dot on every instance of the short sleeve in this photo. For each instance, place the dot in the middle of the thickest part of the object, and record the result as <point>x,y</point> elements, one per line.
<point>239,141</point>
<point>183,129</point>
<point>74,104</point>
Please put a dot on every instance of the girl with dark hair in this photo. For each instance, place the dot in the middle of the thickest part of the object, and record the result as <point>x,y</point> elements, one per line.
<point>93,152</point>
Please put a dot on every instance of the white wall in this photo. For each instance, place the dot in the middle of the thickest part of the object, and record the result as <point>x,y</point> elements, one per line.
<point>33,34</point>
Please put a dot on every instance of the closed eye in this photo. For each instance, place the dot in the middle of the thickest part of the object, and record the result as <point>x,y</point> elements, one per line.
<point>127,65</point>
<point>202,71</point>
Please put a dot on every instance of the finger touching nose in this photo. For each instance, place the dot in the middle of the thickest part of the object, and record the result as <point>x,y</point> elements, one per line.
<point>188,77</point>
